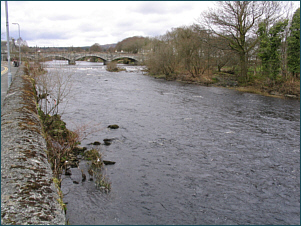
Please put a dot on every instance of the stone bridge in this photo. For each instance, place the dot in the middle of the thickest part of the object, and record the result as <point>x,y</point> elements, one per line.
<point>72,57</point>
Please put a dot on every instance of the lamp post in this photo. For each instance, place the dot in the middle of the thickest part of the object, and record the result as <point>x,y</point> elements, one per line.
<point>9,77</point>
<point>19,43</point>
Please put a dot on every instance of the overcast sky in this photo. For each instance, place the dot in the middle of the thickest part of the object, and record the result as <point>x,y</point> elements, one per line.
<point>83,23</point>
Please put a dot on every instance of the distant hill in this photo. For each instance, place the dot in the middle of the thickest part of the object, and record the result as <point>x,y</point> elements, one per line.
<point>105,47</point>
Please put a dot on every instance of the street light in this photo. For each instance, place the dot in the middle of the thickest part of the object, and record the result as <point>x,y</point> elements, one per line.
<point>19,43</point>
<point>9,77</point>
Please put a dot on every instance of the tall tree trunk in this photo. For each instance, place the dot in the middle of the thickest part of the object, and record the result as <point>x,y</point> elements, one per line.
<point>243,67</point>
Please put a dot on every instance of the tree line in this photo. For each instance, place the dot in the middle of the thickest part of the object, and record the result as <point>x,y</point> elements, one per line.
<point>250,39</point>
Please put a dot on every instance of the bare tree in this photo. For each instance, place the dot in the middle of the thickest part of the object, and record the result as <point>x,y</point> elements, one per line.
<point>237,22</point>
<point>95,48</point>
<point>162,59</point>
<point>53,89</point>
<point>192,48</point>
<point>24,47</point>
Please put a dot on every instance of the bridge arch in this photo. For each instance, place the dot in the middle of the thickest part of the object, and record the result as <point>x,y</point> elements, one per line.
<point>133,59</point>
<point>58,56</point>
<point>90,55</point>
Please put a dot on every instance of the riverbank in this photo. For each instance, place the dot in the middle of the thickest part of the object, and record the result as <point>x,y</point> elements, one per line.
<point>29,194</point>
<point>289,88</point>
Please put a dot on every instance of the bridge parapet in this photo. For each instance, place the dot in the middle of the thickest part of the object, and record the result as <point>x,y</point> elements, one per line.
<point>72,57</point>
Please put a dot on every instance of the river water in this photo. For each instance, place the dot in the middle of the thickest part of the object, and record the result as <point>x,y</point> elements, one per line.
<point>184,153</point>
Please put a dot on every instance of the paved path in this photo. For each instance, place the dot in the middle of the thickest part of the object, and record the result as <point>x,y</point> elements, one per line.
<point>4,78</point>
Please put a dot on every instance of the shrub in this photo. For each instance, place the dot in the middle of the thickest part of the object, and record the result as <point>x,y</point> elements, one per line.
<point>112,67</point>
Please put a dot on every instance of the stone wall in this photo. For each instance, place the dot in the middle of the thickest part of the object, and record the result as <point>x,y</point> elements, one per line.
<point>28,194</point>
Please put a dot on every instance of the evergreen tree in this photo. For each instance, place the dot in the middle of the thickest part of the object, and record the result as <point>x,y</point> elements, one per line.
<point>294,45</point>
<point>269,47</point>
<point>264,48</point>
<point>276,36</point>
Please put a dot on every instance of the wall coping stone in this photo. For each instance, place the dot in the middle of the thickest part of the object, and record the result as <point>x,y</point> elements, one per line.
<point>28,194</point>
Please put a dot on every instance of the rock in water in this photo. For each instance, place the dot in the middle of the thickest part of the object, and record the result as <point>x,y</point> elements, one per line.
<point>68,172</point>
<point>113,126</point>
<point>106,162</point>
<point>107,141</point>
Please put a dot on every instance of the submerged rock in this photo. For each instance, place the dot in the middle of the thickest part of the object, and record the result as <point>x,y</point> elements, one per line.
<point>107,141</point>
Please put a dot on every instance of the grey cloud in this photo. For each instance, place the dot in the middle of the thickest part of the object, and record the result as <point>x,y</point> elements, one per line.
<point>162,7</point>
<point>86,27</point>
<point>44,35</point>
<point>59,17</point>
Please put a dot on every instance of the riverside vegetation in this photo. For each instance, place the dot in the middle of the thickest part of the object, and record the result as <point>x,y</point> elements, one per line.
<point>252,46</point>
<point>112,67</point>
<point>248,45</point>
<point>63,144</point>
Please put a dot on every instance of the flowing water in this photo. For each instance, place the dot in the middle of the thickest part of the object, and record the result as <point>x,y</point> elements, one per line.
<point>184,153</point>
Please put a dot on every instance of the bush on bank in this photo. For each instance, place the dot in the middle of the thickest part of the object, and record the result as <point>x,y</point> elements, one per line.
<point>62,143</point>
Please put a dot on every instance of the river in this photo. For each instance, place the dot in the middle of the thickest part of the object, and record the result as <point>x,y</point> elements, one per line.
<point>184,153</point>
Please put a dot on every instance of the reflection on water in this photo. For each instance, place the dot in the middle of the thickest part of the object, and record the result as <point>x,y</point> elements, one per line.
<point>185,154</point>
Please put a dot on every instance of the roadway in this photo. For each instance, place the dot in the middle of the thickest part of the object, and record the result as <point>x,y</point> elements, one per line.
<point>4,78</point>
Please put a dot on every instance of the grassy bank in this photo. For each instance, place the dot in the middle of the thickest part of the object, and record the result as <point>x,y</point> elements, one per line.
<point>63,150</point>
<point>284,88</point>
<point>281,88</point>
